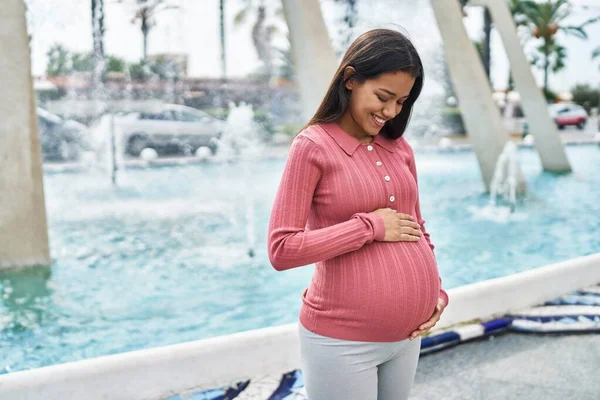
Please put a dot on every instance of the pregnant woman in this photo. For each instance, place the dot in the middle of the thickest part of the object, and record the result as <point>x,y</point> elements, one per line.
<point>348,201</point>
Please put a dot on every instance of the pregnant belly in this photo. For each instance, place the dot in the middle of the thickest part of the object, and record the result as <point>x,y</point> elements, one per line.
<point>385,290</point>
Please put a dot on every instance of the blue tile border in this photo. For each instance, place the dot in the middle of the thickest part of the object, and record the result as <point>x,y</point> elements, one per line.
<point>575,313</point>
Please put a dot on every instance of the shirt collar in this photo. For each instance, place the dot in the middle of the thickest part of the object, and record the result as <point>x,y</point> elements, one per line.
<point>349,143</point>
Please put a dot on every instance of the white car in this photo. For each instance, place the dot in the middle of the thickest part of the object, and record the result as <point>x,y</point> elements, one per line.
<point>169,130</point>
<point>565,114</point>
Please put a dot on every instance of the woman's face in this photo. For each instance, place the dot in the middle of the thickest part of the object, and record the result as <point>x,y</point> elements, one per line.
<point>374,102</point>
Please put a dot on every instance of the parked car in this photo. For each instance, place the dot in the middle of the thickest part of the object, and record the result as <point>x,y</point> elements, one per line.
<point>565,114</point>
<point>61,140</point>
<point>168,130</point>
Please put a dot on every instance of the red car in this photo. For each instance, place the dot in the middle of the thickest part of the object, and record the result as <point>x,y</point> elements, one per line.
<point>568,114</point>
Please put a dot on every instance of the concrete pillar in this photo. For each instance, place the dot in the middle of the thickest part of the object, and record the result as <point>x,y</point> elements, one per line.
<point>547,138</point>
<point>314,58</point>
<point>23,230</point>
<point>480,113</point>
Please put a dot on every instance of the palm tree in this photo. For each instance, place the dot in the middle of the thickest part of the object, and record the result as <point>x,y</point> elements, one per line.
<point>222,38</point>
<point>517,8</point>
<point>145,12</point>
<point>350,19</point>
<point>262,33</point>
<point>486,42</point>
<point>98,26</point>
<point>596,53</point>
<point>98,40</point>
<point>544,20</point>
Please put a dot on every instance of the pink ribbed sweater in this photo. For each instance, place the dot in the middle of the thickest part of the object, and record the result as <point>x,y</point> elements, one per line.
<point>362,289</point>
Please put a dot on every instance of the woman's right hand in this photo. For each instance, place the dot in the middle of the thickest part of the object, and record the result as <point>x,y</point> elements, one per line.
<point>399,227</point>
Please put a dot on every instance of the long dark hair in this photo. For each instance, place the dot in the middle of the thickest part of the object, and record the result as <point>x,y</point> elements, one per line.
<point>372,54</point>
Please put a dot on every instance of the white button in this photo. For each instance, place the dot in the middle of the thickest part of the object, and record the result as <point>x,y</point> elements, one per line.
<point>369,147</point>
<point>379,163</point>
<point>387,178</point>
<point>392,198</point>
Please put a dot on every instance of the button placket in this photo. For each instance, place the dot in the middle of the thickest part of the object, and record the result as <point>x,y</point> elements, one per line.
<point>387,178</point>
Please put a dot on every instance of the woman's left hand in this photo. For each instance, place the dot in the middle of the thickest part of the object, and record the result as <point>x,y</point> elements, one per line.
<point>425,327</point>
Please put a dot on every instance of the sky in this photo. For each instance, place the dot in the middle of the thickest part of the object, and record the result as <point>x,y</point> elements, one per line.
<point>193,28</point>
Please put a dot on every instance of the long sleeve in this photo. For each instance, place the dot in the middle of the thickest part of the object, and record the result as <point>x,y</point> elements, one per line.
<point>290,245</point>
<point>413,169</point>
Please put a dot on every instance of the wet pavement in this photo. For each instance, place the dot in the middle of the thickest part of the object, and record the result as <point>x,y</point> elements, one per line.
<point>513,366</point>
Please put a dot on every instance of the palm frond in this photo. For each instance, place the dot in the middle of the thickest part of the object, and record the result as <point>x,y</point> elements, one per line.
<point>156,9</point>
<point>559,56</point>
<point>577,31</point>
<point>519,7</point>
<point>241,16</point>
<point>590,21</point>
<point>530,11</point>
<point>596,53</point>
<point>559,10</point>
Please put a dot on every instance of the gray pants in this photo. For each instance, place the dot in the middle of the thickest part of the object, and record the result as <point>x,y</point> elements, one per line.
<point>337,369</point>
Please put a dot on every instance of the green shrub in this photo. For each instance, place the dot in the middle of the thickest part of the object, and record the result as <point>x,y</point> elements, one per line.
<point>586,96</point>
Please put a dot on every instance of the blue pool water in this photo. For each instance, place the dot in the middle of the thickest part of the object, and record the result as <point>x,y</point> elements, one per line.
<point>163,258</point>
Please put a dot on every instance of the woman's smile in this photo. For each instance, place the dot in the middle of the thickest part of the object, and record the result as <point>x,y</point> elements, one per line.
<point>378,121</point>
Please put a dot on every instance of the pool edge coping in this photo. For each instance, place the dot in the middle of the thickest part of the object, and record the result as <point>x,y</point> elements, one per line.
<point>214,362</point>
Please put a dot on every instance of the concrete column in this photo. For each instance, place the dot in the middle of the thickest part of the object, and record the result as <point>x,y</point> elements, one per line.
<point>23,230</point>
<point>480,113</point>
<point>314,59</point>
<point>547,138</point>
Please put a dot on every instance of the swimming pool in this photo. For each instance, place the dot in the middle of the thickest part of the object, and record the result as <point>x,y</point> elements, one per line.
<point>163,258</point>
